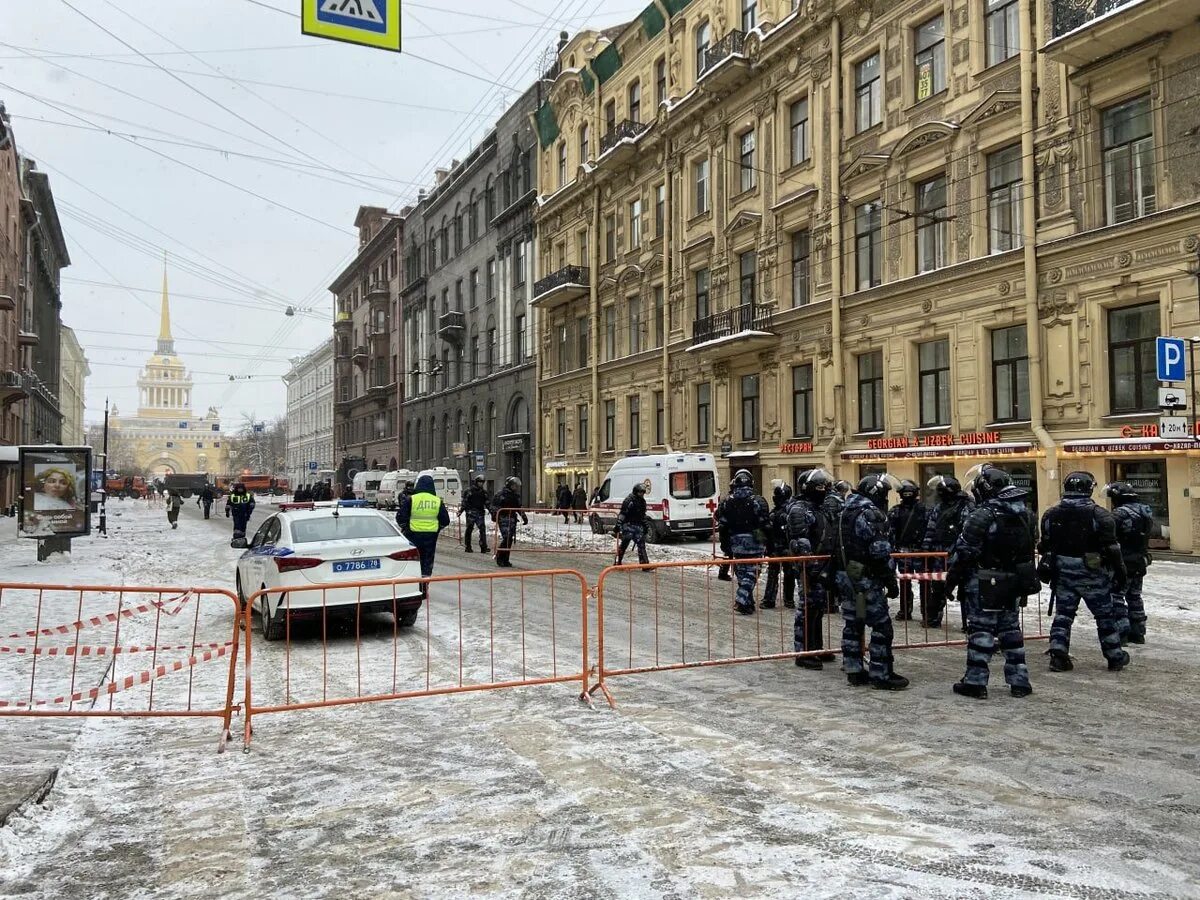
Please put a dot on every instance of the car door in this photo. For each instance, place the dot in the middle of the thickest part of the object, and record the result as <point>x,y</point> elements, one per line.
<point>256,553</point>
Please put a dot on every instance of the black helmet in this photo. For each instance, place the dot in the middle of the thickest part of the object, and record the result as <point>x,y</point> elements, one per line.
<point>479,479</point>
<point>987,481</point>
<point>816,486</point>
<point>1079,484</point>
<point>945,486</point>
<point>782,495</point>
<point>1121,492</point>
<point>875,488</point>
<point>513,482</point>
<point>639,488</point>
<point>842,487</point>
<point>909,490</point>
<point>742,478</point>
<point>238,486</point>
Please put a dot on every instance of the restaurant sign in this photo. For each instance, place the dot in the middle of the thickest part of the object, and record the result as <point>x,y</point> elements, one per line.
<point>945,439</point>
<point>796,447</point>
<point>1148,430</point>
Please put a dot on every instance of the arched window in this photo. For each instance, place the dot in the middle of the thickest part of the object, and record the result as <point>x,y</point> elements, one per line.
<point>444,239</point>
<point>703,38</point>
<point>518,418</point>
<point>460,430</point>
<point>432,250</point>
<point>562,163</point>
<point>432,437</point>
<point>585,143</point>
<point>458,230</point>
<point>446,435</point>
<point>473,226</point>
<point>475,438</point>
<point>416,451</point>
<point>491,428</point>
<point>520,337</point>
<point>392,467</point>
<point>489,202</point>
<point>490,346</point>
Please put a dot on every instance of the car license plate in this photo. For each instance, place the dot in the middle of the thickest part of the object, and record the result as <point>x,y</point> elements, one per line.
<point>355,565</point>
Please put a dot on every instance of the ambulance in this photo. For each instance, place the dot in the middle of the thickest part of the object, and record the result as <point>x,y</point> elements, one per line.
<point>682,491</point>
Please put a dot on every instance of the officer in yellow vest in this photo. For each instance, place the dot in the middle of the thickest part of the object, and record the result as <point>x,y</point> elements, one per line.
<point>421,516</point>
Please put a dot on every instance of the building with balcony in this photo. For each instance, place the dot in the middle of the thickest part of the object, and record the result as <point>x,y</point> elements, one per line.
<point>367,351</point>
<point>892,235</point>
<point>469,271</point>
<point>13,229</point>
<point>310,450</point>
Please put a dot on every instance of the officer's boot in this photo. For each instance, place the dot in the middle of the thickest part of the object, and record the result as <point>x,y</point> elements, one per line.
<point>1060,661</point>
<point>1117,663</point>
<point>723,573</point>
<point>977,691</point>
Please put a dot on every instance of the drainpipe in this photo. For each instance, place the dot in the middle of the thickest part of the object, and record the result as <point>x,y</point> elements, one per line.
<point>1029,230</point>
<point>833,449</point>
<point>594,318</point>
<point>668,259</point>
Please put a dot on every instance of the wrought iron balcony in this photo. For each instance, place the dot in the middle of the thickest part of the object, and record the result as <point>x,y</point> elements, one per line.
<point>567,283</point>
<point>1085,31</point>
<point>622,134</point>
<point>452,326</point>
<point>725,62</point>
<point>751,321</point>
<point>1072,14</point>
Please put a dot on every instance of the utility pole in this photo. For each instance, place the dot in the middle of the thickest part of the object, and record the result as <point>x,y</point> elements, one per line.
<point>104,482</point>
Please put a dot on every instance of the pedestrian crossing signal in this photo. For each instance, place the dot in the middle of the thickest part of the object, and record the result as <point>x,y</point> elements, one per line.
<point>373,23</point>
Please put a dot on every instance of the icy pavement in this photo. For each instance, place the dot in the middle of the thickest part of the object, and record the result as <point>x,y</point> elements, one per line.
<point>754,780</point>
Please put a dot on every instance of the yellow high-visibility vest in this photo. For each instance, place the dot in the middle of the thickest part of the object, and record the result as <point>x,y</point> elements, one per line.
<point>424,516</point>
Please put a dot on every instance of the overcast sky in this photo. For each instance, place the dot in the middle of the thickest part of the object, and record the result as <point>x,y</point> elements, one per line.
<point>246,161</point>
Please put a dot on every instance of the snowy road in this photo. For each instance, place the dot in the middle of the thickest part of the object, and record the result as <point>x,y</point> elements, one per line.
<point>745,781</point>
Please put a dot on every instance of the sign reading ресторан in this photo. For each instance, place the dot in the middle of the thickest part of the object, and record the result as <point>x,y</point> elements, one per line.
<point>934,440</point>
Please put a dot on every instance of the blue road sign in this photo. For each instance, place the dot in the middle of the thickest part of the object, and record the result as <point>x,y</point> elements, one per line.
<point>1169,352</point>
<point>375,23</point>
<point>312,466</point>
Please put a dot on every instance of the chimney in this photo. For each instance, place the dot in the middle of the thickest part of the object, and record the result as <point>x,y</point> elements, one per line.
<point>440,176</point>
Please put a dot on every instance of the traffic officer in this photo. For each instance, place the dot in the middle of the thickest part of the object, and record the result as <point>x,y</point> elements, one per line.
<point>1081,560</point>
<point>475,505</point>
<point>777,545</point>
<point>421,516</point>
<point>907,520</point>
<point>631,525</point>
<point>944,524</point>
<point>506,507</point>
<point>866,579</point>
<point>806,536</point>
<point>1135,522</point>
<point>992,563</point>
<point>743,523</point>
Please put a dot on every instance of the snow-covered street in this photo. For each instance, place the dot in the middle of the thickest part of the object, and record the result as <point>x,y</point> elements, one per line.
<point>754,780</point>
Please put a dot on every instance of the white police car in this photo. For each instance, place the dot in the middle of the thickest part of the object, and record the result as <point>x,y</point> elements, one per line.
<point>327,544</point>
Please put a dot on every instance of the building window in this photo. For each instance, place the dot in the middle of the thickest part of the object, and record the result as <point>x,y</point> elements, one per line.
<point>582,241</point>
<point>660,423</point>
<point>929,63</point>
<point>1129,189</point>
<point>583,347</point>
<point>635,224</point>
<point>1004,199</point>
<point>703,38</point>
<point>610,237</point>
<point>1003,30</point>
<point>747,276</point>
<point>660,81</point>
<point>583,433</point>
<point>635,422</point>
<point>610,333</point>
<point>610,424</point>
<point>634,306</point>
<point>562,163</point>
<point>1132,376</point>
<point>660,209</point>
<point>702,293</point>
<point>560,430</point>
<point>870,392</point>
<point>1010,374</point>
<point>458,295</point>
<point>931,224</point>
<point>749,14</point>
<point>746,172</point>
<point>800,268</point>
<point>933,361</point>
<point>700,186</point>
<point>474,288</point>
<point>519,338</point>
<point>798,125</point>
<point>635,102</point>
<point>868,99</point>
<point>749,407</point>
<point>802,390</point>
<point>610,116</point>
<point>868,245</point>
<point>518,263</point>
<point>490,361</point>
<point>703,405</point>
<point>659,317</point>
<point>584,143</point>
<point>475,373</point>
<point>491,279</point>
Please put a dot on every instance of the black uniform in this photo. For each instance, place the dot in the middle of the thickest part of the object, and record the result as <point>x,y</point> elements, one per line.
<point>506,507</point>
<point>907,520</point>
<point>777,545</point>
<point>475,505</point>
<point>743,523</point>
<point>631,526</point>
<point>943,526</point>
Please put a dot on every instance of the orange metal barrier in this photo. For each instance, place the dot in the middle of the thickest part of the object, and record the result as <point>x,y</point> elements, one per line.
<point>551,531</point>
<point>121,651</point>
<point>370,641</point>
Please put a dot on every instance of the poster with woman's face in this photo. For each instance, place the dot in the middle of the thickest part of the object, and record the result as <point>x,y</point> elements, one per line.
<point>54,491</point>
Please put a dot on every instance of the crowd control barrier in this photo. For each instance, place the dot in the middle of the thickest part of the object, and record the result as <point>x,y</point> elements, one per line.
<point>548,531</point>
<point>120,651</point>
<point>367,641</point>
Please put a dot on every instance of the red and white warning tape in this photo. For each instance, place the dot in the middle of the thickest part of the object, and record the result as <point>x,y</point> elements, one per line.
<point>104,651</point>
<point>921,576</point>
<point>107,618</point>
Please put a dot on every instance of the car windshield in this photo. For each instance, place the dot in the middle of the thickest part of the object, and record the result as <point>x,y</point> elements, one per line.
<point>693,485</point>
<point>341,528</point>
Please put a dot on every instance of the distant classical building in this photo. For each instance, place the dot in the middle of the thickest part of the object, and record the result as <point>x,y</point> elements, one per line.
<point>310,415</point>
<point>165,437</point>
<point>73,374</point>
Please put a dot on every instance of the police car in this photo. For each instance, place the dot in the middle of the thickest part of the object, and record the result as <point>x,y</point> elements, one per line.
<point>327,544</point>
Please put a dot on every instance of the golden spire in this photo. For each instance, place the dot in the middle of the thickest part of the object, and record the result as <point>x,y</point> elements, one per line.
<point>166,344</point>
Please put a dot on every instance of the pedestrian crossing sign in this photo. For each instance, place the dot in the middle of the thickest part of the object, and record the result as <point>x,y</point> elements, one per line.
<point>374,23</point>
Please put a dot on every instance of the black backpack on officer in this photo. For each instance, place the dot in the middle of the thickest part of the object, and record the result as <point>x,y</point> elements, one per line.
<point>1006,570</point>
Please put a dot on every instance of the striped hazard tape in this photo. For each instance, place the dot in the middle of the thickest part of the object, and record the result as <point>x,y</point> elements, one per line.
<point>123,684</point>
<point>105,651</point>
<point>96,621</point>
<point>921,576</point>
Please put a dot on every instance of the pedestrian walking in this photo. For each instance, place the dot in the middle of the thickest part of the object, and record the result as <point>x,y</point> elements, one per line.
<point>866,580</point>
<point>777,546</point>
<point>475,504</point>
<point>992,565</point>
<point>579,502</point>
<point>562,501</point>
<point>239,506</point>
<point>807,535</point>
<point>206,499</point>
<point>943,524</point>
<point>1081,560</point>
<point>907,521</point>
<point>631,525</point>
<point>744,525</point>
<point>421,516</point>
<point>174,504</point>
<point>1135,522</point>
<point>506,507</point>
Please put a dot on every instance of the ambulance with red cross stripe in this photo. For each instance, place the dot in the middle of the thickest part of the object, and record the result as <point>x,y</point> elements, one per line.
<point>682,490</point>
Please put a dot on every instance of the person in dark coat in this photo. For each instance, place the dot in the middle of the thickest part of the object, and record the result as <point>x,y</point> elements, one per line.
<point>475,504</point>
<point>579,502</point>
<point>239,506</point>
<point>944,523</point>
<point>205,500</point>
<point>631,525</point>
<point>174,503</point>
<point>562,502</point>
<point>348,492</point>
<point>506,508</point>
<point>744,522</point>
<point>907,521</point>
<point>1135,523</point>
<point>777,545</point>
<point>421,516</point>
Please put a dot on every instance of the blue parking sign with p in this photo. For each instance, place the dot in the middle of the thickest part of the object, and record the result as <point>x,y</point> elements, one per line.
<point>1169,352</point>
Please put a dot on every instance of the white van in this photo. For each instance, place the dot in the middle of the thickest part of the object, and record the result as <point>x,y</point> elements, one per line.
<point>366,485</point>
<point>388,495</point>
<point>446,484</point>
<point>681,493</point>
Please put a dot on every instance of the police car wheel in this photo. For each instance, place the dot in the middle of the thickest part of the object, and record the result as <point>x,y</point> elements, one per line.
<point>272,625</point>
<point>408,618</point>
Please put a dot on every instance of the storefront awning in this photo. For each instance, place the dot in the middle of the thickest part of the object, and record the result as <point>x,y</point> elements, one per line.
<point>1105,446</point>
<point>1003,448</point>
<point>741,454</point>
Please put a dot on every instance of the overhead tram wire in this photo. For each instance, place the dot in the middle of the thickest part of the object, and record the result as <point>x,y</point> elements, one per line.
<point>152,337</point>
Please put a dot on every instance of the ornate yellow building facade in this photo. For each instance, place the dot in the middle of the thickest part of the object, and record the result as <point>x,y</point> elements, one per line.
<point>862,234</point>
<point>165,437</point>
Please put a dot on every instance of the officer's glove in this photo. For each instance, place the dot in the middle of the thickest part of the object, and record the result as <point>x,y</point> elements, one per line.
<point>1045,570</point>
<point>1023,602</point>
<point>892,586</point>
<point>616,531</point>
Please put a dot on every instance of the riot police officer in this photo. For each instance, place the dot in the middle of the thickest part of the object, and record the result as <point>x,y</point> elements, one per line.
<point>907,523</point>
<point>807,536</point>
<point>743,523</point>
<point>943,526</point>
<point>506,507</point>
<point>475,505</point>
<point>777,545</point>
<point>631,524</point>
<point>992,564</point>
<point>1134,521</point>
<point>865,573</point>
<point>1081,560</point>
